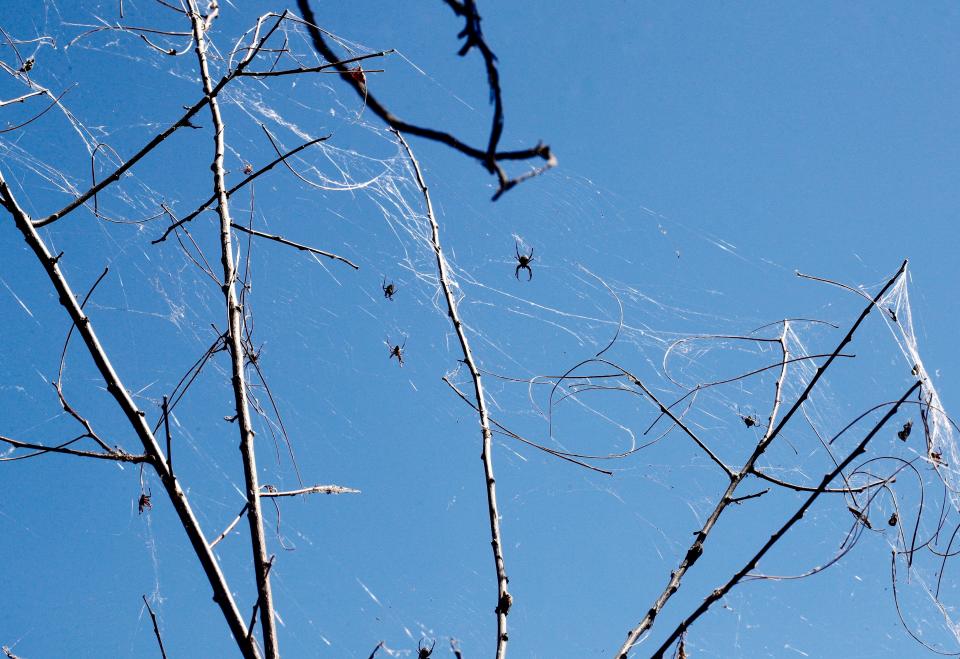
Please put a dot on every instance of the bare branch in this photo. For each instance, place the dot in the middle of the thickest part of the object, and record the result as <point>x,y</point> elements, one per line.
<point>116,454</point>
<point>21,99</point>
<point>504,598</point>
<point>775,537</point>
<point>316,489</point>
<point>303,248</point>
<point>249,179</point>
<point>160,137</point>
<point>156,629</point>
<point>230,527</point>
<point>489,157</point>
<point>234,341</point>
<point>568,457</point>
<point>136,419</point>
<point>323,68</point>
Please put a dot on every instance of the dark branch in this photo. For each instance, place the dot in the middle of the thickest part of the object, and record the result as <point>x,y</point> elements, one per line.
<point>156,629</point>
<point>490,158</point>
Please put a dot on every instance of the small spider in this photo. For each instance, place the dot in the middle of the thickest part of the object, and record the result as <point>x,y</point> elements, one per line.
<point>144,501</point>
<point>248,169</point>
<point>893,519</point>
<point>749,420</point>
<point>253,356</point>
<point>523,263</point>
<point>397,351</point>
<point>904,432</point>
<point>358,75</point>
<point>424,652</point>
<point>389,290</point>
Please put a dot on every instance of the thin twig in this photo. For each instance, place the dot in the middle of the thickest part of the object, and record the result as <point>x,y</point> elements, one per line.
<point>256,605</point>
<point>746,497</point>
<point>290,243</point>
<point>663,409</point>
<point>563,455</point>
<point>58,384</point>
<point>166,432</point>
<point>316,489</point>
<point>156,629</point>
<point>21,99</point>
<point>230,527</point>
<point>504,599</point>
<point>116,455</point>
<point>323,68</point>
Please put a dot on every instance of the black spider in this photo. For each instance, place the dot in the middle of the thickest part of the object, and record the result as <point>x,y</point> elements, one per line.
<point>523,263</point>
<point>750,420</point>
<point>425,652</point>
<point>397,351</point>
<point>144,502</point>
<point>389,290</point>
<point>904,432</point>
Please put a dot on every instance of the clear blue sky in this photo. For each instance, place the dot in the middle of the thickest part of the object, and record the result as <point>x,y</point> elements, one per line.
<point>706,152</point>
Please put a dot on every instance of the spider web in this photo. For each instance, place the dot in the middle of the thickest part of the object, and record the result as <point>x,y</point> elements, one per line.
<point>408,558</point>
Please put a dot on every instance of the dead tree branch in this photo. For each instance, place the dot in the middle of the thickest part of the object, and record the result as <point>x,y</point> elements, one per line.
<point>750,565</point>
<point>316,489</point>
<point>235,343</point>
<point>116,455</point>
<point>156,629</point>
<point>696,549</point>
<point>222,594</point>
<point>290,243</point>
<point>489,157</point>
<point>163,135</point>
<point>504,599</point>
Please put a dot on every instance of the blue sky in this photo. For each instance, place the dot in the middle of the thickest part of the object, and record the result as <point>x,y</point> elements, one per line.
<point>706,153</point>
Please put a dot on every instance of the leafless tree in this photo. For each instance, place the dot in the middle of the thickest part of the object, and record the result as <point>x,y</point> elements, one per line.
<point>283,46</point>
<point>263,53</point>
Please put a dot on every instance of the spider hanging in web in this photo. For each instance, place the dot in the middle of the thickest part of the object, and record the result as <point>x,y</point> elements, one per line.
<point>144,502</point>
<point>397,350</point>
<point>523,263</point>
<point>389,290</point>
<point>423,652</point>
<point>750,420</point>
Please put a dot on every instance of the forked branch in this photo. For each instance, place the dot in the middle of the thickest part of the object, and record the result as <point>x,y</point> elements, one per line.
<point>490,158</point>
<point>750,565</point>
<point>774,429</point>
<point>222,594</point>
